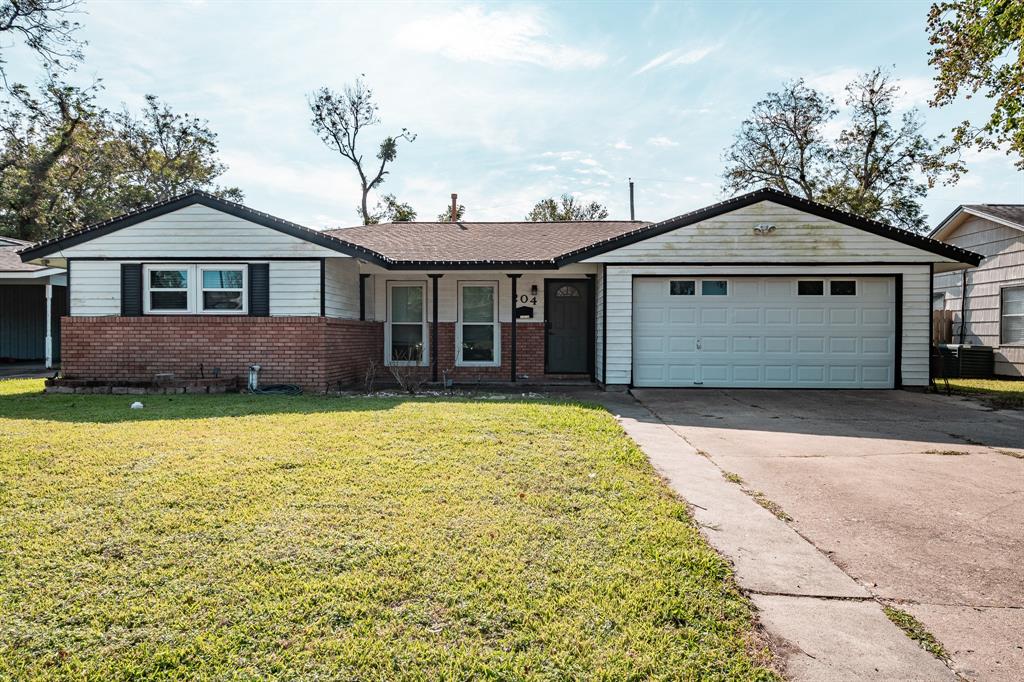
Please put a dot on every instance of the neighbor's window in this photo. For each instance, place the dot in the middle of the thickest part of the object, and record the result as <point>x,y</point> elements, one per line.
<point>407,323</point>
<point>181,289</point>
<point>682,287</point>
<point>478,337</point>
<point>1011,316</point>
<point>843,287</point>
<point>223,289</point>
<point>810,287</point>
<point>714,287</point>
<point>168,290</point>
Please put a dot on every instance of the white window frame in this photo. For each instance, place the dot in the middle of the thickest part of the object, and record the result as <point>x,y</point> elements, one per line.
<point>200,269</point>
<point>194,290</point>
<point>425,356</point>
<point>495,325</point>
<point>1002,291</point>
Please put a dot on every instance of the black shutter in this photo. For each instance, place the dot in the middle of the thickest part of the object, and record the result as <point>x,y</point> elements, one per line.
<point>259,289</point>
<point>131,289</point>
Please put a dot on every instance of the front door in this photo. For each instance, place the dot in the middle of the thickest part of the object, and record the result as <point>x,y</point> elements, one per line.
<point>567,318</point>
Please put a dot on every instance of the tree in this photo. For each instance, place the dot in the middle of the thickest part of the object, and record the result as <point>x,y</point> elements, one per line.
<point>879,166</point>
<point>552,210</point>
<point>44,27</point>
<point>446,215</point>
<point>65,162</point>
<point>979,45</point>
<point>166,154</point>
<point>338,118</point>
<point>390,210</point>
<point>782,144</point>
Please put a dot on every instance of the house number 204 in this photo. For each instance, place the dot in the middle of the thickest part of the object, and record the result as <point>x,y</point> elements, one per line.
<point>526,298</point>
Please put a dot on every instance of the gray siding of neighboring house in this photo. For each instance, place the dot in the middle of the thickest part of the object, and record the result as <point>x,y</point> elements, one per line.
<point>1003,248</point>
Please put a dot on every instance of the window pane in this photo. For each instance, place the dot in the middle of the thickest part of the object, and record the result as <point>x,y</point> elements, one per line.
<point>682,288</point>
<point>222,279</point>
<point>407,342</point>
<point>478,304</point>
<point>222,300</point>
<point>714,287</point>
<point>168,279</point>
<point>407,304</point>
<point>810,288</point>
<point>168,300</point>
<point>1013,301</point>
<point>478,343</point>
<point>843,287</point>
<point>1012,329</point>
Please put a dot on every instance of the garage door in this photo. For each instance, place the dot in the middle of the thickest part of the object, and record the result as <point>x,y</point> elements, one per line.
<point>774,332</point>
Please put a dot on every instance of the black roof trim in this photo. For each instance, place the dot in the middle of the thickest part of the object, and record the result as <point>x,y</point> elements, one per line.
<point>49,246</point>
<point>767,194</point>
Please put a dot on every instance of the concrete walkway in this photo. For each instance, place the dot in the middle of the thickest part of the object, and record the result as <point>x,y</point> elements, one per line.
<point>823,624</point>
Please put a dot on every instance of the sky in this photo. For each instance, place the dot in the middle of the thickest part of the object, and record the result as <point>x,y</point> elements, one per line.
<point>510,103</point>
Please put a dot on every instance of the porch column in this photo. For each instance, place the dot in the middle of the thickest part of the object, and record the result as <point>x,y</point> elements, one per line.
<point>433,331</point>
<point>49,325</point>
<point>515,302</point>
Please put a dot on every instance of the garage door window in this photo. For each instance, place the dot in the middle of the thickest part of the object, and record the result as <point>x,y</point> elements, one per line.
<point>843,287</point>
<point>808,287</point>
<point>682,287</point>
<point>714,287</point>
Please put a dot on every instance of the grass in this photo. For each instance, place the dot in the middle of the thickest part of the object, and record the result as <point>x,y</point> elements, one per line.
<point>250,537</point>
<point>999,393</point>
<point>759,497</point>
<point>916,631</point>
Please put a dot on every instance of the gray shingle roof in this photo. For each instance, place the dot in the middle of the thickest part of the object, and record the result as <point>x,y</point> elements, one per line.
<point>10,261</point>
<point>1013,213</point>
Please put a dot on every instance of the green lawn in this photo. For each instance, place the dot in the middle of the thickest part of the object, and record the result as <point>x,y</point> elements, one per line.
<point>1003,393</point>
<point>242,537</point>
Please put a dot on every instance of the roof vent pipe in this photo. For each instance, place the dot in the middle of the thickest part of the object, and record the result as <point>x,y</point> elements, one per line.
<point>455,208</point>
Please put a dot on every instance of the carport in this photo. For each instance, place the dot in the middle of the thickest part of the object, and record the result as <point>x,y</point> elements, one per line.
<point>32,300</point>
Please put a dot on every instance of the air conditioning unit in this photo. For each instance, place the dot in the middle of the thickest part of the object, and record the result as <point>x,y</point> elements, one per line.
<point>964,361</point>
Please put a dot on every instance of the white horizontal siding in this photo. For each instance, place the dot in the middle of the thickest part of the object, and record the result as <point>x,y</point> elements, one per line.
<point>916,309</point>
<point>798,237</point>
<point>294,288</point>
<point>341,281</point>
<point>95,288</point>
<point>197,231</point>
<point>1003,265</point>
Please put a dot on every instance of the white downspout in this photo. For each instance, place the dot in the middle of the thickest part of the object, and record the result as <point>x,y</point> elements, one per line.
<point>49,324</point>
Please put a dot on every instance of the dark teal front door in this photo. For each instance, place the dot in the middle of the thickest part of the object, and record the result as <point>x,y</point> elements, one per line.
<point>567,318</point>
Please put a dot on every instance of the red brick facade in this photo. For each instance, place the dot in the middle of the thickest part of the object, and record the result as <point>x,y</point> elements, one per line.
<point>315,352</point>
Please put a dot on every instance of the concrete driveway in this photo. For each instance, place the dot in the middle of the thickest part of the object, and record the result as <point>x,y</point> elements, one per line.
<point>919,498</point>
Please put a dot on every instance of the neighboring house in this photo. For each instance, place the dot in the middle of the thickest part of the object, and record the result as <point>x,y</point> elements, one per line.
<point>32,300</point>
<point>763,290</point>
<point>987,303</point>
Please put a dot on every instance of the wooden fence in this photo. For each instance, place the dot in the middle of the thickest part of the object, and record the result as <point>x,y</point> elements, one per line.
<point>942,326</point>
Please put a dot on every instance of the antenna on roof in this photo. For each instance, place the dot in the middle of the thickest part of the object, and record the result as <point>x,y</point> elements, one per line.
<point>632,210</point>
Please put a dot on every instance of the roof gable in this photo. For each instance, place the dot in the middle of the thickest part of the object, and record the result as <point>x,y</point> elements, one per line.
<point>1010,215</point>
<point>87,234</point>
<point>774,196</point>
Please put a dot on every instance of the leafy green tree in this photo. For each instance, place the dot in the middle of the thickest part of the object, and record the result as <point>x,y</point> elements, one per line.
<point>880,166</point>
<point>446,215</point>
<point>338,118</point>
<point>979,45</point>
<point>65,162</point>
<point>566,208</point>
<point>44,26</point>
<point>390,210</point>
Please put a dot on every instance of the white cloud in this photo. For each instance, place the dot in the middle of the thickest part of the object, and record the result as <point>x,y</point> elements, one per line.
<point>677,57</point>
<point>589,162</point>
<point>914,90</point>
<point>662,141</point>
<point>621,144</point>
<point>571,155</point>
<point>540,168</point>
<point>473,34</point>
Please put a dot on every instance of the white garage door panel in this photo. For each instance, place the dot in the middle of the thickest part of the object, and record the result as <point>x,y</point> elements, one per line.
<point>764,334</point>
